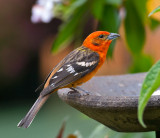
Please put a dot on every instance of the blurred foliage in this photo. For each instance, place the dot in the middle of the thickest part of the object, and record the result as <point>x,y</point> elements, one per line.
<point>155,11</point>
<point>141,63</point>
<point>66,33</point>
<point>134,29</point>
<point>100,131</point>
<point>110,22</point>
<point>108,15</point>
<point>150,84</point>
<point>153,23</point>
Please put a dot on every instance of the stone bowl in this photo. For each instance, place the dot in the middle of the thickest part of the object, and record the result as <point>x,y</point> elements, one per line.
<point>113,102</point>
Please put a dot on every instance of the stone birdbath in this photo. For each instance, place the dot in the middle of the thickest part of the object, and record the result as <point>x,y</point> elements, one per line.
<point>113,101</point>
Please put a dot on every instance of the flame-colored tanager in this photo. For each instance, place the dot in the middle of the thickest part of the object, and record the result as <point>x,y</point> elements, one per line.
<point>75,69</point>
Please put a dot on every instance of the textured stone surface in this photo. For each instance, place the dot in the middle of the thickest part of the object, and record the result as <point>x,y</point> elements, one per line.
<point>113,101</point>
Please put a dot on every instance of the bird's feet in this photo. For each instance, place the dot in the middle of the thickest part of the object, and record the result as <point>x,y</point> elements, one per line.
<point>73,93</point>
<point>79,91</point>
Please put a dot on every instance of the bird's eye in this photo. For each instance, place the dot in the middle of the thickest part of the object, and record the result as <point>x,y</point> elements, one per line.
<point>101,36</point>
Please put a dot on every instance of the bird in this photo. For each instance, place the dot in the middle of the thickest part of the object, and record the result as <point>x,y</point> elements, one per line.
<point>76,68</point>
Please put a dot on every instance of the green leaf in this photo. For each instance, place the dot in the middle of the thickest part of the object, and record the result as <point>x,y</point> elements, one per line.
<point>97,7</point>
<point>141,8</point>
<point>67,30</point>
<point>114,2</point>
<point>150,84</point>
<point>72,7</point>
<point>134,29</point>
<point>153,23</point>
<point>141,63</point>
<point>98,132</point>
<point>154,11</point>
<point>110,23</point>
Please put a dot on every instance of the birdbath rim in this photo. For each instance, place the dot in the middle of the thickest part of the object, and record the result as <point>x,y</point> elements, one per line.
<point>113,102</point>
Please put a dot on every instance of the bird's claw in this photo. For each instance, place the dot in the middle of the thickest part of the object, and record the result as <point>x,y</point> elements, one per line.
<point>79,91</point>
<point>74,93</point>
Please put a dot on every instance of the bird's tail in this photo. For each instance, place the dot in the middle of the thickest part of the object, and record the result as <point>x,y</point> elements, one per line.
<point>27,120</point>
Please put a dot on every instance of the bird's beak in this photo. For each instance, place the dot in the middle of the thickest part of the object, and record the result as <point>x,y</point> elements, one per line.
<point>113,36</point>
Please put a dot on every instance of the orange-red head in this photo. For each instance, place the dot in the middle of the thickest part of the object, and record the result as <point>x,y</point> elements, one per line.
<point>99,41</point>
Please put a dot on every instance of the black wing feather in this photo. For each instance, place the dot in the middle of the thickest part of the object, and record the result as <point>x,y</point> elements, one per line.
<point>66,76</point>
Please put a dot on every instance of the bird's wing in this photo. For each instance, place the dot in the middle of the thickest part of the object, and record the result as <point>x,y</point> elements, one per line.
<point>76,65</point>
<point>40,87</point>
